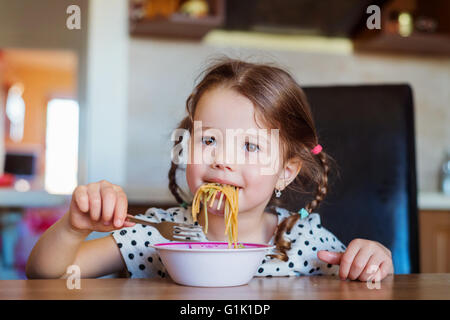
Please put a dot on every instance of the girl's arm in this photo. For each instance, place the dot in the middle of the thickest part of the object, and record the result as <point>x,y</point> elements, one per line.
<point>96,207</point>
<point>61,246</point>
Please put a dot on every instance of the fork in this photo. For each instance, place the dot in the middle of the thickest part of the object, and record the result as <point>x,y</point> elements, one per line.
<point>173,231</point>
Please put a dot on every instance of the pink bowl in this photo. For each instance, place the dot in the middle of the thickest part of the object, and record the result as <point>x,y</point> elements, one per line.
<point>211,264</point>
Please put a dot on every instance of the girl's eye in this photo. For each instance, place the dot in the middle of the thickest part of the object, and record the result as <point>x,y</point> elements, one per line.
<point>208,140</point>
<point>251,147</point>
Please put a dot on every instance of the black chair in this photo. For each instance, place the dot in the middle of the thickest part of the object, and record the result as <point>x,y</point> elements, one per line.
<point>369,131</point>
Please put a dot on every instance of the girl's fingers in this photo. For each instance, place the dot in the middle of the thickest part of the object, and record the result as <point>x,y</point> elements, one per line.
<point>120,211</point>
<point>127,224</point>
<point>386,268</point>
<point>108,203</point>
<point>330,257</point>
<point>95,201</point>
<point>372,270</point>
<point>81,198</point>
<point>347,259</point>
<point>360,262</point>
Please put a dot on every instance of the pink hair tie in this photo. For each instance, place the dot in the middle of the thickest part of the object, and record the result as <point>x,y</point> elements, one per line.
<point>317,149</point>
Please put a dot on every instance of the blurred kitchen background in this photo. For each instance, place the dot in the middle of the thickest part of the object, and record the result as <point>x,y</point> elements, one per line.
<point>94,91</point>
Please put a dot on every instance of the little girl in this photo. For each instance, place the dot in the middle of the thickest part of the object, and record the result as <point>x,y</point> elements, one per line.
<point>242,97</point>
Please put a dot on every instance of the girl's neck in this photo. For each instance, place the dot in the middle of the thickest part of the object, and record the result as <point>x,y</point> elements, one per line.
<point>256,225</point>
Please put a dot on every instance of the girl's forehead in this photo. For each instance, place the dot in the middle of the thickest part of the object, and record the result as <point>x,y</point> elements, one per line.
<point>224,108</point>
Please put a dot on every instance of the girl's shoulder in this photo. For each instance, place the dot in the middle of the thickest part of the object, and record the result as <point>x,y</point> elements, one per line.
<point>173,214</point>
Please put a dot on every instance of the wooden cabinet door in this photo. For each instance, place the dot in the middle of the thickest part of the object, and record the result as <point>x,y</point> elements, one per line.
<point>434,241</point>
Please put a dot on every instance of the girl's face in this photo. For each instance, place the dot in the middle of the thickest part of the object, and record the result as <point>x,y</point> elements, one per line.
<point>230,149</point>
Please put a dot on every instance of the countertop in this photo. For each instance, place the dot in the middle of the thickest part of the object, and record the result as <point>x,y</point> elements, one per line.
<point>433,201</point>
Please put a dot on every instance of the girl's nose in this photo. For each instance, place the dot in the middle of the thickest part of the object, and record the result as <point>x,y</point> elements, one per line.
<point>223,166</point>
<point>220,162</point>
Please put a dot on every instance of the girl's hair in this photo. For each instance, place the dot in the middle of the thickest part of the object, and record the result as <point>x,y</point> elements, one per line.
<point>279,103</point>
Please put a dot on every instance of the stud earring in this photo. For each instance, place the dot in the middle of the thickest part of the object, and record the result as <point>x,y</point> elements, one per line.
<point>277,193</point>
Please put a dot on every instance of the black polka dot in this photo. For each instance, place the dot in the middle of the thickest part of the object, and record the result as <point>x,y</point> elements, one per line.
<point>269,276</point>
<point>310,232</point>
<point>314,248</point>
<point>264,261</point>
<point>278,269</point>
<point>326,239</point>
<point>318,268</point>
<point>288,232</point>
<point>141,266</point>
<point>311,271</point>
<point>150,259</point>
<point>299,252</point>
<point>291,265</point>
<point>162,219</point>
<point>185,219</point>
<point>260,270</point>
<point>131,256</point>
<point>329,265</point>
<point>143,226</point>
<point>123,232</point>
<point>146,243</point>
<point>119,245</point>
<point>293,241</point>
<point>321,240</point>
<point>300,226</point>
<point>306,263</point>
<point>334,239</point>
<point>306,242</point>
<point>149,233</point>
<point>309,219</point>
<point>299,233</point>
<point>133,242</point>
<point>319,226</point>
<point>332,247</point>
<point>343,248</point>
<point>134,231</point>
<point>141,254</point>
<point>130,273</point>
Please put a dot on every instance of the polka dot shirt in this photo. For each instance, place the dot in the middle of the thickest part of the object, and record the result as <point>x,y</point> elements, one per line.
<point>307,237</point>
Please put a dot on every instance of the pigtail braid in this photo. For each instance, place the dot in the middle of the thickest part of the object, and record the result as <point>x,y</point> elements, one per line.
<point>322,187</point>
<point>173,186</point>
<point>283,245</point>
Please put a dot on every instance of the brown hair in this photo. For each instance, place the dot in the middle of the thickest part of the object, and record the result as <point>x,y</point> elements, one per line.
<point>280,103</point>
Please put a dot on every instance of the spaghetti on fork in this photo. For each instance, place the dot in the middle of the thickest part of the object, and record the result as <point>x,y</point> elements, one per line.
<point>207,194</point>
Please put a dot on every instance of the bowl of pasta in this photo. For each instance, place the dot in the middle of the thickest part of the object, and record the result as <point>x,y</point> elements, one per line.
<point>211,264</point>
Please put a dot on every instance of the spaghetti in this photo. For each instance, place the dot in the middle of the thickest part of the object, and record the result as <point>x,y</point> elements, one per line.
<point>207,193</point>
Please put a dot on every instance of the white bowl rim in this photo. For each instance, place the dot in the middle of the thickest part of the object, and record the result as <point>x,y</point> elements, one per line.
<point>163,246</point>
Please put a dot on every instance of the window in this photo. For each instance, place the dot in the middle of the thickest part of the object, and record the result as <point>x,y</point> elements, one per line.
<point>61,153</point>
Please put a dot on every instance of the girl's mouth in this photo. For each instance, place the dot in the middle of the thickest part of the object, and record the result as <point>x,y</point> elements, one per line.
<point>214,209</point>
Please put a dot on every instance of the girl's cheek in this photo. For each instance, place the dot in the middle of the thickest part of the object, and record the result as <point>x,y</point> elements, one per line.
<point>259,186</point>
<point>193,176</point>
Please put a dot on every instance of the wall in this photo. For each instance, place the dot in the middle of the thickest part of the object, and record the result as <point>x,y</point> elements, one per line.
<point>162,74</point>
<point>41,83</point>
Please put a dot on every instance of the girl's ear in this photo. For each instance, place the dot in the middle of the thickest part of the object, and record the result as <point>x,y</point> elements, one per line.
<point>288,173</point>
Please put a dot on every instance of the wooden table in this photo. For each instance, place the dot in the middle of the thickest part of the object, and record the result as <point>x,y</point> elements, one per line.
<point>394,287</point>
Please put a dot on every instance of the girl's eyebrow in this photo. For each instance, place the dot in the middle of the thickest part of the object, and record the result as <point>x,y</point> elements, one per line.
<point>260,137</point>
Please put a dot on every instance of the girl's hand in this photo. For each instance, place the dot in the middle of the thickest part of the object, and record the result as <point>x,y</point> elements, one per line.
<point>99,206</point>
<point>363,260</point>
